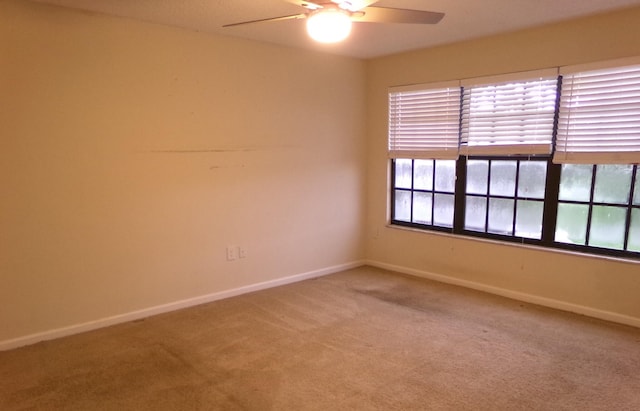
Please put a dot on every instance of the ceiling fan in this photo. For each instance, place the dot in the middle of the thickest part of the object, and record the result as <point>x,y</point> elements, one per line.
<point>330,21</point>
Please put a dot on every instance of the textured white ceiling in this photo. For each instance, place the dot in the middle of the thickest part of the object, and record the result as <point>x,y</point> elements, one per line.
<point>464,19</point>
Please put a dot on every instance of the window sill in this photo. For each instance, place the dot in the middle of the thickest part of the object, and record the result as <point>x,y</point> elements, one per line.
<point>517,245</point>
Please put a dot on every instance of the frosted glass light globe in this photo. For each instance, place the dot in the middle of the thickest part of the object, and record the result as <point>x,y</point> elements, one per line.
<point>329,25</point>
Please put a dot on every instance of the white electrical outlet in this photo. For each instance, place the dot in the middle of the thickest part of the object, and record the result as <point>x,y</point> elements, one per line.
<point>242,252</point>
<point>232,252</point>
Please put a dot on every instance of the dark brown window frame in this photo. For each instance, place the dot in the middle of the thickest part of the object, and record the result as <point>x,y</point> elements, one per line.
<point>550,210</point>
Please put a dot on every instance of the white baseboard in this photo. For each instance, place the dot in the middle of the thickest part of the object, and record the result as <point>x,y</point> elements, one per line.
<point>516,295</point>
<point>177,305</point>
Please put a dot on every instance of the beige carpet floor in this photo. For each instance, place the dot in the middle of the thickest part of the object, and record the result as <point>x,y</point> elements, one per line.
<point>363,339</point>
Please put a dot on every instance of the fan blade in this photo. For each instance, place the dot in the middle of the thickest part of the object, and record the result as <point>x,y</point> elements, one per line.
<point>389,15</point>
<point>289,17</point>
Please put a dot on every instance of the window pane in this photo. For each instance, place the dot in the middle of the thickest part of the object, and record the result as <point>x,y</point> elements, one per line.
<point>423,177</point>
<point>477,175</point>
<point>402,211</point>
<point>636,196</point>
<point>532,178</point>
<point>443,210</point>
<point>475,213</point>
<point>607,227</point>
<point>575,182</point>
<point>529,219</point>
<point>422,208</point>
<point>500,216</point>
<point>445,175</point>
<point>613,183</point>
<point>503,178</point>
<point>571,227</point>
<point>634,231</point>
<point>403,173</point>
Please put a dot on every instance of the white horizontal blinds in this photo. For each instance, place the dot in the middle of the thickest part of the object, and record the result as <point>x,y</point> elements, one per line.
<point>510,114</point>
<point>599,119</point>
<point>424,121</point>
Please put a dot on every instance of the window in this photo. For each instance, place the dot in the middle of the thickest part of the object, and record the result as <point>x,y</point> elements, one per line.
<point>505,196</point>
<point>541,158</point>
<point>424,192</point>
<point>597,207</point>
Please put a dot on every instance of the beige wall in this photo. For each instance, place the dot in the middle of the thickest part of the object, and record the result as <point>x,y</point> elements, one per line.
<point>600,285</point>
<point>132,154</point>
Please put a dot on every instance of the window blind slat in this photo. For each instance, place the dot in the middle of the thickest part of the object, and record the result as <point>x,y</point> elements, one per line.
<point>599,118</point>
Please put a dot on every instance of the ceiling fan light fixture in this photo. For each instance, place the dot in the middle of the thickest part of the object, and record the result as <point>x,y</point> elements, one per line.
<point>329,25</point>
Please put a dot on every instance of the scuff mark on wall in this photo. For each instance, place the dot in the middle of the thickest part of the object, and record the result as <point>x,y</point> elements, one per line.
<point>219,158</point>
<point>229,166</point>
<point>215,150</point>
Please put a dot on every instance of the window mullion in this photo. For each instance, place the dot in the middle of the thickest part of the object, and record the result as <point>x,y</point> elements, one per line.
<point>550,208</point>
<point>627,223</point>
<point>487,202</point>
<point>459,195</point>
<point>515,198</point>
<point>413,196</point>
<point>590,214</point>
<point>393,189</point>
<point>433,191</point>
